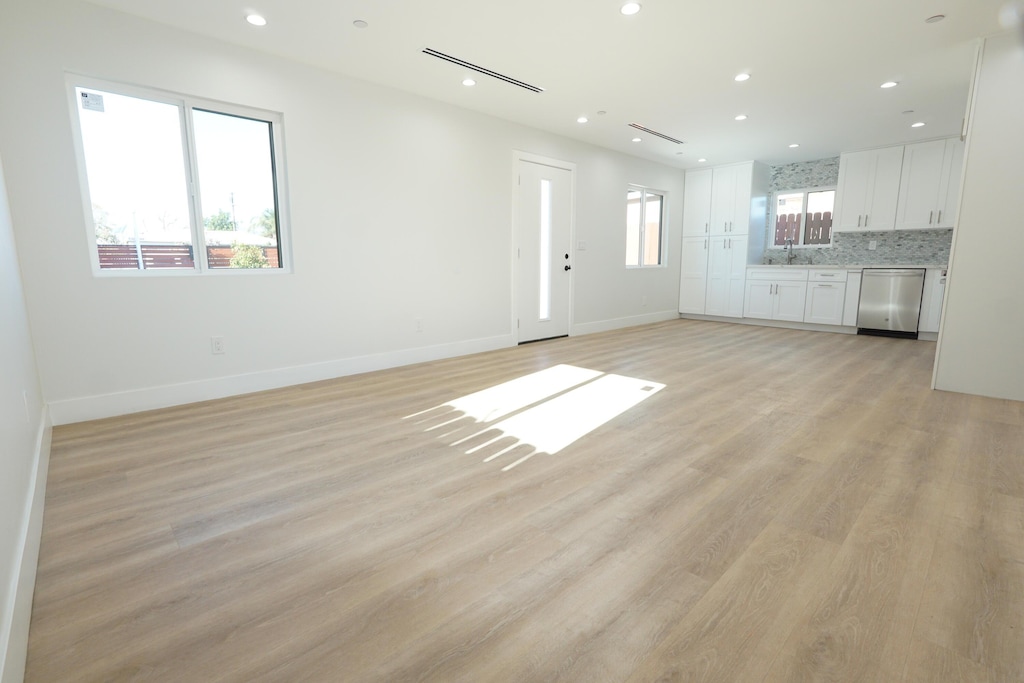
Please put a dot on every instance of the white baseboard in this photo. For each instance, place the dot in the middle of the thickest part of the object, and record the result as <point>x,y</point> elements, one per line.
<point>85,408</point>
<point>618,323</point>
<point>17,617</point>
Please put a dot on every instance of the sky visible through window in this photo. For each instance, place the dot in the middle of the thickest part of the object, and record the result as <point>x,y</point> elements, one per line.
<point>135,161</point>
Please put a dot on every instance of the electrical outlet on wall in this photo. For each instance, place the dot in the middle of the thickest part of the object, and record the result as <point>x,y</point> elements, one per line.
<point>217,345</point>
<point>872,245</point>
<point>419,324</point>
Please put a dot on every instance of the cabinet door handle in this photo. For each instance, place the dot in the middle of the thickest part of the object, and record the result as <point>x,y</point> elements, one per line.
<point>705,244</point>
<point>865,220</point>
<point>827,274</point>
<point>930,214</point>
<point>858,220</point>
<point>822,285</point>
<point>705,227</point>
<point>940,216</point>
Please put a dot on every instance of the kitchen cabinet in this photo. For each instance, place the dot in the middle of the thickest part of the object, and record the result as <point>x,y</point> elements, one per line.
<point>929,184</point>
<point>693,276</point>
<point>868,190</point>
<point>826,297</point>
<point>931,300</point>
<point>775,294</point>
<point>737,197</point>
<point>727,263</point>
<point>731,190</point>
<point>697,203</point>
<point>852,302</point>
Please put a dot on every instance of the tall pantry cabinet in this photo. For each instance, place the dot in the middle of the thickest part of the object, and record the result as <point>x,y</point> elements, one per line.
<point>724,214</point>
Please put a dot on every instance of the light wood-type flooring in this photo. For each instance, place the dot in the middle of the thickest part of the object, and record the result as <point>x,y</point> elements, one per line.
<point>792,506</point>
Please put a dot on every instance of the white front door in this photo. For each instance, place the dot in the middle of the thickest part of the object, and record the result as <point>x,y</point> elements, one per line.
<point>542,235</point>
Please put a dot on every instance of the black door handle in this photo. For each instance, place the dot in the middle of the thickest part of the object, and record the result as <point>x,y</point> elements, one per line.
<point>568,267</point>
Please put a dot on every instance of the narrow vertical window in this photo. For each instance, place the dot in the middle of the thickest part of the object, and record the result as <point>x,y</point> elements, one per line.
<point>652,229</point>
<point>645,211</point>
<point>545,250</point>
<point>634,220</point>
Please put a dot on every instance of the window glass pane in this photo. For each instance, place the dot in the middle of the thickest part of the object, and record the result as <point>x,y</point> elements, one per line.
<point>789,210</point>
<point>136,173</point>
<point>652,229</point>
<point>634,199</point>
<point>237,192</point>
<point>818,228</point>
<point>545,250</point>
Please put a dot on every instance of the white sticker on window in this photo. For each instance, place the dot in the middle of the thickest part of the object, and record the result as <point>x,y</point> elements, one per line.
<point>93,101</point>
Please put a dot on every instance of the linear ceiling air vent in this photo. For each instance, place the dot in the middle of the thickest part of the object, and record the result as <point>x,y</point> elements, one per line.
<point>481,70</point>
<point>654,132</point>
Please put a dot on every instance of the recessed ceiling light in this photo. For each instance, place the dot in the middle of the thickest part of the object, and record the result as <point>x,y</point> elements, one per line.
<point>256,20</point>
<point>582,119</point>
<point>601,113</point>
<point>701,161</point>
<point>359,23</point>
<point>909,111</point>
<point>794,145</point>
<point>919,124</point>
<point>742,77</point>
<point>741,117</point>
<point>468,82</point>
<point>935,19</point>
<point>630,8</point>
<point>636,139</point>
<point>678,153</point>
<point>889,84</point>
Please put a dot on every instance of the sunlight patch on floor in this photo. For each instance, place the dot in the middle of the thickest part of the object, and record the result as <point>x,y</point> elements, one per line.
<point>546,410</point>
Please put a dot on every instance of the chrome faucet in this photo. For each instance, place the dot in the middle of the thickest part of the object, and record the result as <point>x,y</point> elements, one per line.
<point>790,255</point>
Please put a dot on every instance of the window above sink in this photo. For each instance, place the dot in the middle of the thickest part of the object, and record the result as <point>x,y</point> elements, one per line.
<point>803,216</point>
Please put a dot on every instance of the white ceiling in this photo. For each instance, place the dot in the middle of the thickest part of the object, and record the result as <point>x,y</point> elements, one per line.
<point>815,65</point>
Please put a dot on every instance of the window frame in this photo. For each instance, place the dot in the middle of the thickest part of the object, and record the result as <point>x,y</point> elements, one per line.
<point>773,219</point>
<point>662,233</point>
<point>185,104</point>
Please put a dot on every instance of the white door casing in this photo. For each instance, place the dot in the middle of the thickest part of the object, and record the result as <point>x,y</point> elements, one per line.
<point>542,233</point>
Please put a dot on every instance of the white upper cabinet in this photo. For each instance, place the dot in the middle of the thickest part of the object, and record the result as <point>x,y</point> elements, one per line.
<point>929,184</point>
<point>868,190</point>
<point>730,199</point>
<point>697,203</point>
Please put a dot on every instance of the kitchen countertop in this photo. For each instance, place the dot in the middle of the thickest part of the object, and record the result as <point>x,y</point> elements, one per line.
<point>823,266</point>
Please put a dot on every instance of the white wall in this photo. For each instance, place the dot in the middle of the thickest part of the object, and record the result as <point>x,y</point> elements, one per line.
<point>440,251</point>
<point>24,447</point>
<point>981,343</point>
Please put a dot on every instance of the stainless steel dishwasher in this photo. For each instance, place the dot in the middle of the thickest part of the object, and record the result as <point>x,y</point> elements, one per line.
<point>890,301</point>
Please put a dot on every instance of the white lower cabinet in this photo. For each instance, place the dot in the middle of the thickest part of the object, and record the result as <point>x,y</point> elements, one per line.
<point>826,297</point>
<point>727,262</point>
<point>931,304</point>
<point>775,294</point>
<point>852,304</point>
<point>693,275</point>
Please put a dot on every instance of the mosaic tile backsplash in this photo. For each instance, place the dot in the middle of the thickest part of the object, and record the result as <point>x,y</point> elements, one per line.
<point>893,248</point>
